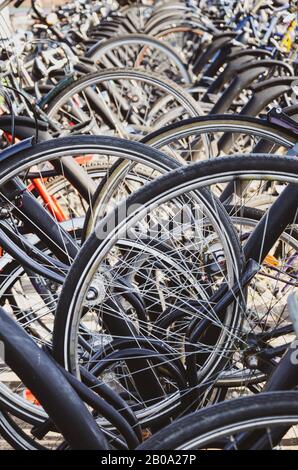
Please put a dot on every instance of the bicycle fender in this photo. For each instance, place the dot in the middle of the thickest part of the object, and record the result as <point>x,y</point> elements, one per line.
<point>265,92</point>
<point>24,127</point>
<point>19,147</point>
<point>55,90</point>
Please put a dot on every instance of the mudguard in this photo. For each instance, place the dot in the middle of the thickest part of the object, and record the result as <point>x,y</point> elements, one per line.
<point>217,43</point>
<point>19,147</point>
<point>265,92</point>
<point>234,61</point>
<point>25,127</point>
<point>55,90</point>
<point>240,82</point>
<point>239,52</point>
<point>244,78</point>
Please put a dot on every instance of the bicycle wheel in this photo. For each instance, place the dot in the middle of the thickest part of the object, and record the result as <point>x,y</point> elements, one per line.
<point>219,426</point>
<point>196,139</point>
<point>29,296</point>
<point>140,51</point>
<point>219,135</point>
<point>108,273</point>
<point>145,257</point>
<point>125,103</point>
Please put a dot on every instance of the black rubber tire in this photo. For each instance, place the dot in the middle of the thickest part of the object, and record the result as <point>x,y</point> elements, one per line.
<point>209,420</point>
<point>95,53</point>
<point>219,123</point>
<point>185,98</point>
<point>12,162</point>
<point>48,384</point>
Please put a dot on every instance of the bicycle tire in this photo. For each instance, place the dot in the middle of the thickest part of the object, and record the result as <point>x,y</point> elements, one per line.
<point>98,50</point>
<point>47,383</point>
<point>206,426</point>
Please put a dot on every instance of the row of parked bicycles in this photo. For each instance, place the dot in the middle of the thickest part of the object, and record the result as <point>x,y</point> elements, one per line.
<point>148,226</point>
